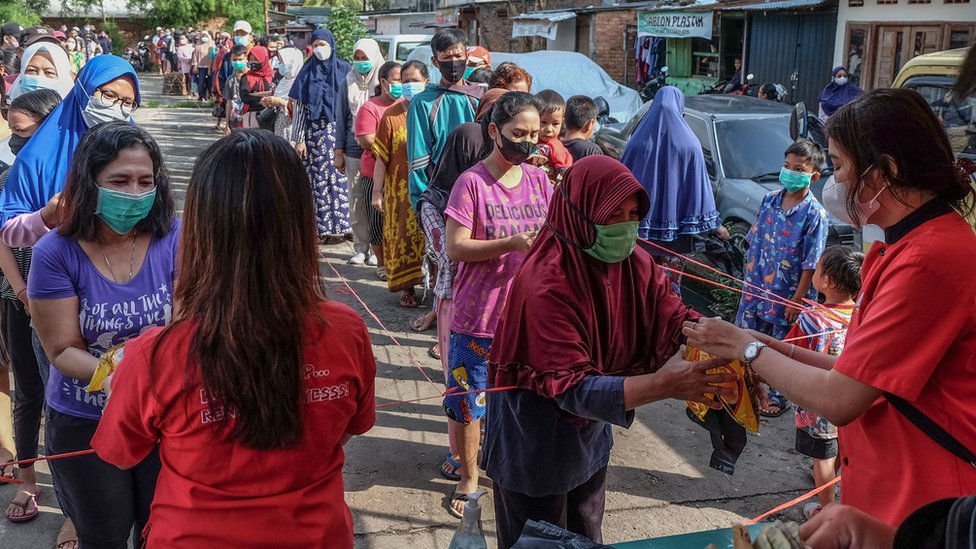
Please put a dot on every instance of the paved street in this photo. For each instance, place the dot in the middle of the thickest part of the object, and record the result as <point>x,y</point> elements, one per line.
<point>659,482</point>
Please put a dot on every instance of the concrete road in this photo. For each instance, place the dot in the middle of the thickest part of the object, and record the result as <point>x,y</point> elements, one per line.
<point>658,483</point>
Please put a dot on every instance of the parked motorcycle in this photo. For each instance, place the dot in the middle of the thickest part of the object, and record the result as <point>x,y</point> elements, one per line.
<point>138,57</point>
<point>745,88</point>
<point>719,87</point>
<point>656,83</point>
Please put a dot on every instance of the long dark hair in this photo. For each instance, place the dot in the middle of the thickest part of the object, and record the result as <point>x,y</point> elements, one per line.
<point>99,148</point>
<point>898,125</point>
<point>36,104</point>
<point>249,281</point>
<point>506,108</point>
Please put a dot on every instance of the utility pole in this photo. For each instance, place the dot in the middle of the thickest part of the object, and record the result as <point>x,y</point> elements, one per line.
<point>267,19</point>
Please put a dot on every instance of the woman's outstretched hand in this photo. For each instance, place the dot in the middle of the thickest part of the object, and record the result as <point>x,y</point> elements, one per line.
<point>717,337</point>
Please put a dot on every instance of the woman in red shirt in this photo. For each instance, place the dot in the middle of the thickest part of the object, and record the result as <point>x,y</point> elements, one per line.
<point>253,390</point>
<point>912,338</point>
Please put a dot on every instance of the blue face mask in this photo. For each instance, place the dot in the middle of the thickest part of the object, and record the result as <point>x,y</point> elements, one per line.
<point>32,82</point>
<point>242,40</point>
<point>794,181</point>
<point>412,89</point>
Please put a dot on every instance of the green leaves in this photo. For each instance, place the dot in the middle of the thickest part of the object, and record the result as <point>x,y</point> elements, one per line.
<point>18,11</point>
<point>347,28</point>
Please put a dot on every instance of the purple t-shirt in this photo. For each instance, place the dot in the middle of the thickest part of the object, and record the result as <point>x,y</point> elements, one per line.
<point>108,312</point>
<point>492,211</point>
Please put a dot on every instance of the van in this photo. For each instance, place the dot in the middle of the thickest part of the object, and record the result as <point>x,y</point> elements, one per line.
<point>400,45</point>
<point>933,75</point>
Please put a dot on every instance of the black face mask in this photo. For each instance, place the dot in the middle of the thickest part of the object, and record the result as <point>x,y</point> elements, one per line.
<point>255,66</point>
<point>452,71</point>
<point>17,143</point>
<point>515,152</point>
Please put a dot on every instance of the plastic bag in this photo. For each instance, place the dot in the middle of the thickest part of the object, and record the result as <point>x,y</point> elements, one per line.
<point>744,409</point>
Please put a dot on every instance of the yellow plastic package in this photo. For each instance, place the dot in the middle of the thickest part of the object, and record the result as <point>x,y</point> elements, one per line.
<point>107,364</point>
<point>746,405</point>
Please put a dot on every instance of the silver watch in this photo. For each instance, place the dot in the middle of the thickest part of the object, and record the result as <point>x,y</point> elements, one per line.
<point>751,352</point>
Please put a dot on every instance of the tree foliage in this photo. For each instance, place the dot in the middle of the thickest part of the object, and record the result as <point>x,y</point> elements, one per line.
<point>182,13</point>
<point>353,4</point>
<point>19,11</point>
<point>346,27</point>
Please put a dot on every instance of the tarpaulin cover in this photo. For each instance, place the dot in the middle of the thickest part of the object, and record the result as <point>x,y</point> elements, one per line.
<point>569,73</point>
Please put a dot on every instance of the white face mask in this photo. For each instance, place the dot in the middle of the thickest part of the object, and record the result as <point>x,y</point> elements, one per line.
<point>835,201</point>
<point>322,52</point>
<point>98,112</point>
<point>840,80</point>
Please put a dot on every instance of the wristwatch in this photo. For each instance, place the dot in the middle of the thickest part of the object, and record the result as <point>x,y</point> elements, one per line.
<point>752,352</point>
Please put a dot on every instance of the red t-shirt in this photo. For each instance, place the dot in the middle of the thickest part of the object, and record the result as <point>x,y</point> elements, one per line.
<point>367,120</point>
<point>913,334</point>
<point>216,493</point>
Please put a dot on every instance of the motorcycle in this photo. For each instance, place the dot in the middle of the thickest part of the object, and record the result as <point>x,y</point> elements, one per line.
<point>745,88</point>
<point>719,87</point>
<point>656,83</point>
<point>138,57</point>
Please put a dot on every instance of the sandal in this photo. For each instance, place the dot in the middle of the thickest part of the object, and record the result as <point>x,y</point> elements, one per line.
<point>451,468</point>
<point>410,302</point>
<point>30,500</point>
<point>381,274</point>
<point>67,535</point>
<point>421,324</point>
<point>811,509</point>
<point>434,352</point>
<point>455,497</point>
<point>8,461</point>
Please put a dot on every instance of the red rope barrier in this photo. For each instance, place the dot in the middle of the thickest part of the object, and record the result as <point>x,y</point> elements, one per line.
<point>793,502</point>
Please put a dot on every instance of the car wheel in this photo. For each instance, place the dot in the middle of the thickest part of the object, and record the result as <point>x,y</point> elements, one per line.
<point>737,238</point>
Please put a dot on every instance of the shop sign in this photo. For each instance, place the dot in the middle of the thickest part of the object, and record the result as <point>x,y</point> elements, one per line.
<point>675,24</point>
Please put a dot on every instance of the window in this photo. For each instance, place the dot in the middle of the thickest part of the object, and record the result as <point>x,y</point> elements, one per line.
<point>956,114</point>
<point>855,3</point>
<point>855,53</point>
<point>956,1</point>
<point>919,1</point>
<point>737,139</point>
<point>880,2</point>
<point>958,39</point>
<point>704,58</point>
<point>700,128</point>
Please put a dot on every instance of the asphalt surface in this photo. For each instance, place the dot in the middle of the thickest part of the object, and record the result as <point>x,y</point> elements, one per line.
<point>659,482</point>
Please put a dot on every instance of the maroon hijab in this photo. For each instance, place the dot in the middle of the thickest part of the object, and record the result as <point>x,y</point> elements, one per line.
<point>569,315</point>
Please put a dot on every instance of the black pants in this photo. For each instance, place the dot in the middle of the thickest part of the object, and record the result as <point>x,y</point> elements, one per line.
<point>373,217</point>
<point>29,386</point>
<point>203,83</point>
<point>580,510</point>
<point>103,501</point>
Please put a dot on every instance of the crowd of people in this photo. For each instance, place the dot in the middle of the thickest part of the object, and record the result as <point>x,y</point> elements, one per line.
<point>555,271</point>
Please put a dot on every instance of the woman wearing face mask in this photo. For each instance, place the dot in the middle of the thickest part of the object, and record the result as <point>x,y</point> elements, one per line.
<point>388,93</point>
<point>107,90</point>
<point>290,63</point>
<point>904,379</point>
<point>587,336</point>
<point>43,66</point>
<point>318,129</point>
<point>184,55</point>
<point>256,84</point>
<point>361,81</point>
<point>26,114</point>
<point>75,57</point>
<point>404,243</point>
<point>838,93</point>
<point>495,210</point>
<point>203,55</point>
<point>102,278</point>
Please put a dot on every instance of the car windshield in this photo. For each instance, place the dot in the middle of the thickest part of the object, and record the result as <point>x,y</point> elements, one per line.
<point>956,115</point>
<point>405,48</point>
<point>754,147</point>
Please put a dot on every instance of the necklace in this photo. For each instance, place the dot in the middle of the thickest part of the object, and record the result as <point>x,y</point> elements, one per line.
<point>132,259</point>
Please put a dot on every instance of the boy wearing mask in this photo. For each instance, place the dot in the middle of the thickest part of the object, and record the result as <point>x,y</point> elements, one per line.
<point>785,244</point>
<point>580,124</point>
<point>232,88</point>
<point>452,102</point>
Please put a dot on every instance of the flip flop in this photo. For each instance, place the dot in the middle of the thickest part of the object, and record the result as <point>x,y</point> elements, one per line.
<point>409,301</point>
<point>7,463</point>
<point>451,462</point>
<point>782,410</point>
<point>434,351</point>
<point>31,500</point>
<point>456,496</point>
<point>381,274</point>
<point>419,325</point>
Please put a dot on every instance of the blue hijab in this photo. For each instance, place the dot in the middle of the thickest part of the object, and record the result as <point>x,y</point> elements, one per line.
<point>666,158</point>
<point>317,84</point>
<point>41,167</point>
<point>835,96</point>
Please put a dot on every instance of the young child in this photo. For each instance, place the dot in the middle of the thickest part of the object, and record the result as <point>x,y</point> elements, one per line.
<point>232,89</point>
<point>551,155</point>
<point>580,123</point>
<point>785,243</point>
<point>838,278</point>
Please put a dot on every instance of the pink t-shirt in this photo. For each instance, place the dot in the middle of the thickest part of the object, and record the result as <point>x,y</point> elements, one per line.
<point>492,211</point>
<point>367,121</point>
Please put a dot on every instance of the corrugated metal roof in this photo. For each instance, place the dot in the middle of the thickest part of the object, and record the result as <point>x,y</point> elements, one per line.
<point>772,5</point>
<point>552,16</point>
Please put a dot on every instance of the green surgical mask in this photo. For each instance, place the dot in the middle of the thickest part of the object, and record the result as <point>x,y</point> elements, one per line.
<point>468,72</point>
<point>363,67</point>
<point>396,91</point>
<point>239,65</point>
<point>794,181</point>
<point>123,211</point>
<point>614,243</point>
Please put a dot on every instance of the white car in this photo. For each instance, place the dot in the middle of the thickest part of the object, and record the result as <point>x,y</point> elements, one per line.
<point>397,47</point>
<point>566,72</point>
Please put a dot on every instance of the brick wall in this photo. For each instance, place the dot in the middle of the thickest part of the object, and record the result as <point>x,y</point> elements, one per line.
<point>609,50</point>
